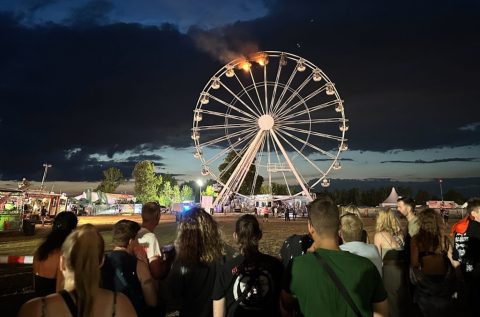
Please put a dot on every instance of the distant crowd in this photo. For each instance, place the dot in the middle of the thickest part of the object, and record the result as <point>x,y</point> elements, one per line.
<point>333,270</point>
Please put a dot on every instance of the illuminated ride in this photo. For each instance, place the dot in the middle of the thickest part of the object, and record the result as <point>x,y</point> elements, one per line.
<point>273,110</point>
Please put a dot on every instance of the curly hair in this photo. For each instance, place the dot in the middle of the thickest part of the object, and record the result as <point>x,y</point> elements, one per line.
<point>386,221</point>
<point>198,239</point>
<point>431,235</point>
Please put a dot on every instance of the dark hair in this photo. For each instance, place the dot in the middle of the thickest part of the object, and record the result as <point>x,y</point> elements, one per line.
<point>431,234</point>
<point>150,211</point>
<point>248,234</point>
<point>63,224</point>
<point>323,215</point>
<point>473,203</point>
<point>198,239</point>
<point>407,201</point>
<point>123,231</point>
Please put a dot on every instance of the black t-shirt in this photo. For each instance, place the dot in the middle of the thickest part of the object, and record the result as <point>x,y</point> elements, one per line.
<point>192,288</point>
<point>119,274</point>
<point>467,248</point>
<point>251,286</point>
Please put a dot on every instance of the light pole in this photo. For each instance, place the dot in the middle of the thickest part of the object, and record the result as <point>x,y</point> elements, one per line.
<point>44,174</point>
<point>440,181</point>
<point>200,184</point>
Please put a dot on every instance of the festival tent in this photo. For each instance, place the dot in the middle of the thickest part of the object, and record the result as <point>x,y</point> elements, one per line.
<point>391,200</point>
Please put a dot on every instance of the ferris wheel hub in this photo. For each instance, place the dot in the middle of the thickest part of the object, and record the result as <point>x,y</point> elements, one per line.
<point>266,122</point>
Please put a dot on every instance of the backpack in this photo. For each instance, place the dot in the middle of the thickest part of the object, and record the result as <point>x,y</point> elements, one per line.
<point>294,246</point>
<point>253,291</point>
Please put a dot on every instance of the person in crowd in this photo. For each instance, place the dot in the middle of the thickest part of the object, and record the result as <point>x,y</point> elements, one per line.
<point>390,243</point>
<point>148,240</point>
<point>328,281</point>
<point>80,261</point>
<point>43,215</point>
<point>466,252</point>
<point>406,206</point>
<point>265,214</point>
<point>445,214</point>
<point>432,273</point>
<point>352,209</point>
<point>126,268</point>
<point>248,284</point>
<point>47,277</point>
<point>351,229</point>
<point>287,213</point>
<point>199,250</point>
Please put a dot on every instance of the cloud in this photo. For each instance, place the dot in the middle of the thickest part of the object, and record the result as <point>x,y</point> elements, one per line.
<point>327,160</point>
<point>471,127</point>
<point>94,12</point>
<point>455,159</point>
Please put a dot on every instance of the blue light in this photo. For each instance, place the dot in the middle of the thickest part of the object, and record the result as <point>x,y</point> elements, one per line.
<point>186,207</point>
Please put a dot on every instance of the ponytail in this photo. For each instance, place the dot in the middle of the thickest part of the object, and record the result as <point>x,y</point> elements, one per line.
<point>83,252</point>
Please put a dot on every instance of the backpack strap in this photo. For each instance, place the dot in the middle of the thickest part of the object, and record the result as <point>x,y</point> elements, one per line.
<point>69,301</point>
<point>341,288</point>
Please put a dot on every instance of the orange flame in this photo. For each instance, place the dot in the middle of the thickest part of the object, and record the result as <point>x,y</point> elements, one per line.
<point>245,65</point>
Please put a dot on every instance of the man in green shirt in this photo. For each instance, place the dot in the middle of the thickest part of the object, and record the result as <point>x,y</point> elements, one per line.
<point>406,206</point>
<point>308,282</point>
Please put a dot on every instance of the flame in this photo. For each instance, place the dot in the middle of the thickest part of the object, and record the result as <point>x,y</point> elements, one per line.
<point>262,59</point>
<point>245,65</point>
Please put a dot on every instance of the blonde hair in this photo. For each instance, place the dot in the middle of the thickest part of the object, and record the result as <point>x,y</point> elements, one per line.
<point>83,251</point>
<point>351,227</point>
<point>386,221</point>
<point>350,209</point>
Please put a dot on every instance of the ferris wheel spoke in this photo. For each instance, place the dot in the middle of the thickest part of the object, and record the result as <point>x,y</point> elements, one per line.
<point>304,100</point>
<point>330,155</point>
<point>299,178</point>
<point>223,126</point>
<point>256,89</point>
<point>279,71</point>
<point>322,135</point>
<point>265,87</point>
<point>283,173</point>
<point>249,97</point>
<point>225,115</point>
<point>252,192</point>
<point>233,107</point>
<point>325,120</point>
<point>231,147</point>
<point>252,113</point>
<point>310,110</point>
<point>285,88</point>
<point>296,92</point>
<point>234,160</point>
<point>225,137</point>
<point>303,155</point>
<point>269,162</point>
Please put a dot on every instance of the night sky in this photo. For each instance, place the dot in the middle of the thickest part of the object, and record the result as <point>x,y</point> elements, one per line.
<point>85,85</point>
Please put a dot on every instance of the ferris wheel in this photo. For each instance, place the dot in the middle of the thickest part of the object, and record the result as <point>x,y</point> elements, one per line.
<point>273,116</point>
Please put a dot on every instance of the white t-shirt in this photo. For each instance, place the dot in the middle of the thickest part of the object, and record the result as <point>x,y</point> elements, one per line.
<point>149,242</point>
<point>365,250</point>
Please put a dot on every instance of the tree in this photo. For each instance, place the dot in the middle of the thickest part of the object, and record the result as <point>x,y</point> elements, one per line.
<point>186,193</point>
<point>246,187</point>
<point>146,181</point>
<point>457,197</point>
<point>176,194</point>
<point>165,194</point>
<point>112,178</point>
<point>209,191</point>
<point>422,197</point>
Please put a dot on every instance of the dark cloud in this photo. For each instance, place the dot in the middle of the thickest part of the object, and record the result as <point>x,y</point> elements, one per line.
<point>455,159</point>
<point>94,12</point>
<point>408,72</point>
<point>145,157</point>
<point>327,160</point>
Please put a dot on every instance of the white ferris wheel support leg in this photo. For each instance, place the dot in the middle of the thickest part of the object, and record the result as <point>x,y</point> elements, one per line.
<point>292,168</point>
<point>246,160</point>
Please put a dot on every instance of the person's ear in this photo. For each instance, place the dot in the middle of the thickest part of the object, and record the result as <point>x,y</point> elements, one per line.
<point>63,266</point>
<point>235,237</point>
<point>311,229</point>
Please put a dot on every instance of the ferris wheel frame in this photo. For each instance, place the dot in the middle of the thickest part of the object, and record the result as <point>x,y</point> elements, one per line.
<point>267,110</point>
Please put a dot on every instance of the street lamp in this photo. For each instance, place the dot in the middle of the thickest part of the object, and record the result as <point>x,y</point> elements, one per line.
<point>440,181</point>
<point>200,184</point>
<point>44,174</point>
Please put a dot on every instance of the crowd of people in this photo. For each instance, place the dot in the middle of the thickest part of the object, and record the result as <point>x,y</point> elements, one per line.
<point>333,270</point>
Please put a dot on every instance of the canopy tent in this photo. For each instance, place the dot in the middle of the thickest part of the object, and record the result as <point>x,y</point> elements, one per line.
<point>105,198</point>
<point>391,200</point>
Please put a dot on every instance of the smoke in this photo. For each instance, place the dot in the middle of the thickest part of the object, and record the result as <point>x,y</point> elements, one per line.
<point>216,45</point>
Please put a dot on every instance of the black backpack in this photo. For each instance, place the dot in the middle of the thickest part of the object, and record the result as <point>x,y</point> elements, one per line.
<point>253,291</point>
<point>294,246</point>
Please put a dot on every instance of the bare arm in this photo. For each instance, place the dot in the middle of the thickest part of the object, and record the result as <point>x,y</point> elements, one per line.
<point>219,307</point>
<point>381,309</point>
<point>287,304</point>
<point>124,307</point>
<point>147,283</point>
<point>30,308</point>
<point>377,241</point>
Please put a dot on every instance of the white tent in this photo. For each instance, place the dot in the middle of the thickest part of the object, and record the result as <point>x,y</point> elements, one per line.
<point>391,200</point>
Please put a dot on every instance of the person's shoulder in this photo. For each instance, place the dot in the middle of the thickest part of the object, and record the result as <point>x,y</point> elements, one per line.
<point>31,308</point>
